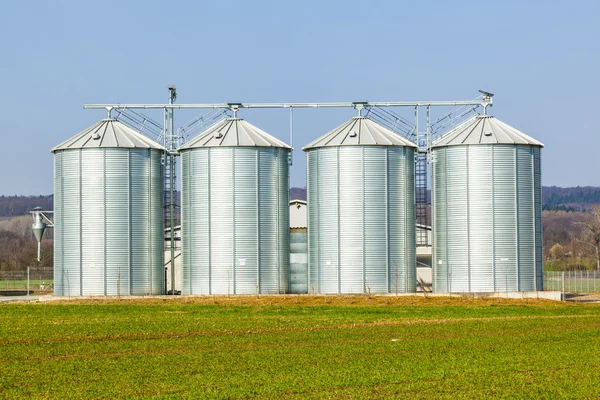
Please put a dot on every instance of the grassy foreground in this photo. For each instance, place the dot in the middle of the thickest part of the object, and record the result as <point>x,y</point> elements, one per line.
<point>300,347</point>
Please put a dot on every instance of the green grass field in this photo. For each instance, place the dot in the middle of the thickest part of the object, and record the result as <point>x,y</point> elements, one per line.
<point>13,284</point>
<point>300,347</point>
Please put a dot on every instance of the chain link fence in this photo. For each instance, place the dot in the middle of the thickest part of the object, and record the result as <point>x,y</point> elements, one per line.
<point>41,280</point>
<point>36,280</point>
<point>572,281</point>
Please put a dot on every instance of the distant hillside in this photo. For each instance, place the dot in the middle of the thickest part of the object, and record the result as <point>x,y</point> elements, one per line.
<point>580,197</point>
<point>553,198</point>
<point>297,193</point>
<point>11,206</point>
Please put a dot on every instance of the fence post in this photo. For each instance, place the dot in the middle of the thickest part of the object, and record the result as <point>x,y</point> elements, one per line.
<point>563,286</point>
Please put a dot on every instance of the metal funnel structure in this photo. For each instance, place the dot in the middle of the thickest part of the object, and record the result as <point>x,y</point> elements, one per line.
<point>39,226</point>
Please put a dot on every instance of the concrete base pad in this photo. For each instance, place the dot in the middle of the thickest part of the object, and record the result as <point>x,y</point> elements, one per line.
<point>557,296</point>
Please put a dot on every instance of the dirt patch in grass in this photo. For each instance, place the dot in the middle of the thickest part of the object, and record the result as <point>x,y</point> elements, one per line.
<point>583,297</point>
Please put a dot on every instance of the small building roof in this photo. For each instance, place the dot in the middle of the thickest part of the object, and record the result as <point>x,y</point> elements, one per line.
<point>360,131</point>
<point>234,132</point>
<point>298,201</point>
<point>484,129</point>
<point>108,133</point>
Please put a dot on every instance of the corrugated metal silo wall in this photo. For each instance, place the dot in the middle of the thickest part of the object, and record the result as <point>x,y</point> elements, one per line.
<point>109,236</point>
<point>487,218</point>
<point>361,219</point>
<point>235,221</point>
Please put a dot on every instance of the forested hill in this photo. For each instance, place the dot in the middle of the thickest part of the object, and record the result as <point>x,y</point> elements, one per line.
<point>553,197</point>
<point>297,193</point>
<point>580,195</point>
<point>11,206</point>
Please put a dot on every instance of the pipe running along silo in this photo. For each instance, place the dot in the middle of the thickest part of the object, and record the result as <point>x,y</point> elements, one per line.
<point>361,210</point>
<point>487,209</point>
<point>108,213</point>
<point>235,211</point>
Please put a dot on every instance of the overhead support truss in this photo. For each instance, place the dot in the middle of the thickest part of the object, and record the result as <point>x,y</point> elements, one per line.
<point>484,102</point>
<point>381,112</point>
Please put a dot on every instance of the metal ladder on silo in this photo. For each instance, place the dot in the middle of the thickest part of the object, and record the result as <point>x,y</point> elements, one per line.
<point>167,191</point>
<point>421,191</point>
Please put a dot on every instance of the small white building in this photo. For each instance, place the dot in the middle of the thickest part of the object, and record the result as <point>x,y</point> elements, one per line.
<point>298,212</point>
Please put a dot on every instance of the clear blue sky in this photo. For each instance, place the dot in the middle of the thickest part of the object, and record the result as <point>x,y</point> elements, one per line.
<point>541,58</point>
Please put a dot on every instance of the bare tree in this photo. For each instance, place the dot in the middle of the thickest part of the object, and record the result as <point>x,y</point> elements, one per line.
<point>590,232</point>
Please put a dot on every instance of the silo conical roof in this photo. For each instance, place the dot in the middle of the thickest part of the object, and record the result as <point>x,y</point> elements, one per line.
<point>234,132</point>
<point>359,131</point>
<point>108,133</point>
<point>485,129</point>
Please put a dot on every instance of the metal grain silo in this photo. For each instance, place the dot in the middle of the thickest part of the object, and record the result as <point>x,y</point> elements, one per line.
<point>361,214</point>
<point>235,211</point>
<point>487,209</point>
<point>108,213</point>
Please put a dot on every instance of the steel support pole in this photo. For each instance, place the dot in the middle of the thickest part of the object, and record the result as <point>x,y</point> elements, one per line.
<point>172,221</point>
<point>171,192</point>
<point>291,160</point>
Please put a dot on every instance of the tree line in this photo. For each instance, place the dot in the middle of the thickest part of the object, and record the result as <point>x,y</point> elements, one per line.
<point>12,206</point>
<point>572,239</point>
<point>553,195</point>
<point>571,234</point>
<point>553,198</point>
